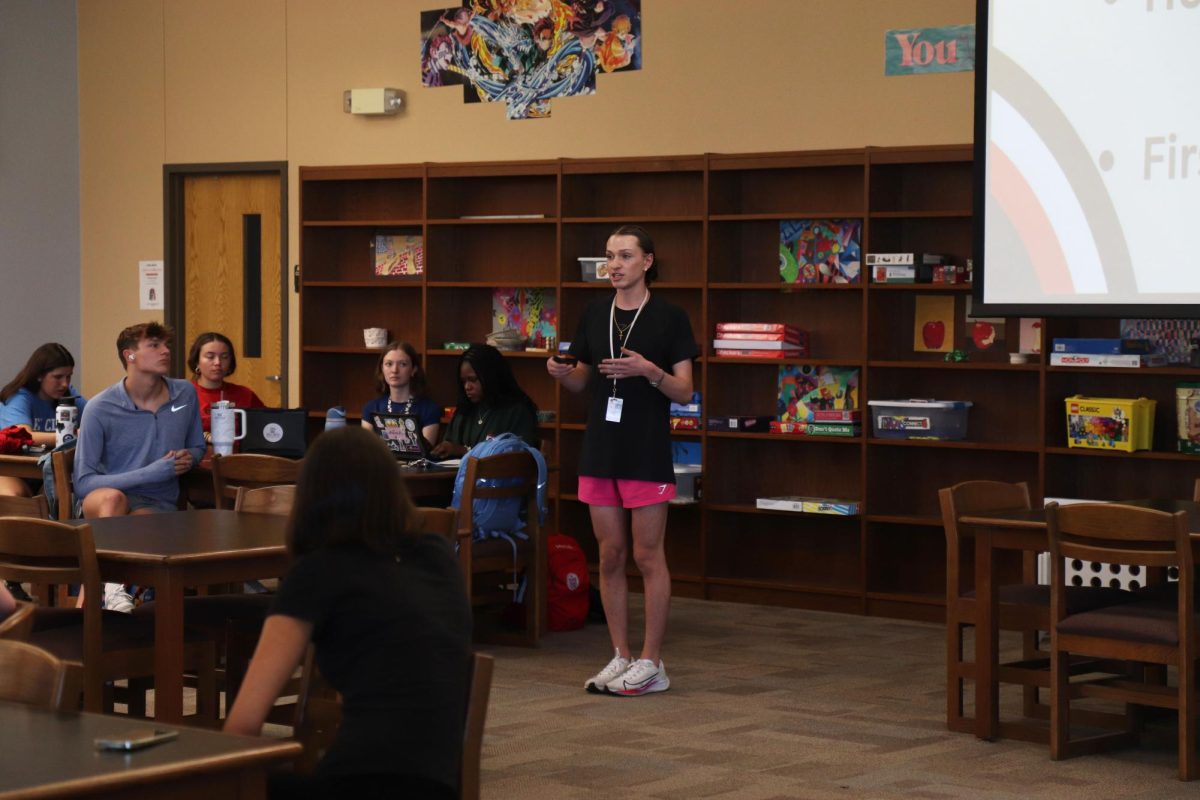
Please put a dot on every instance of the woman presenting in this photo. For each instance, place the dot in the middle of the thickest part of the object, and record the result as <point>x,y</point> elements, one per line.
<point>634,354</point>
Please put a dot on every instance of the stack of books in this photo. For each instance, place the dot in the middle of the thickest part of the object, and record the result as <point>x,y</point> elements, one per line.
<point>760,340</point>
<point>810,505</point>
<point>1069,352</point>
<point>686,416</point>
<point>845,422</point>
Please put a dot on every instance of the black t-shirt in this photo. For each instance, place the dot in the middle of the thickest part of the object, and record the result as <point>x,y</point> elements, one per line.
<point>639,446</point>
<point>393,636</point>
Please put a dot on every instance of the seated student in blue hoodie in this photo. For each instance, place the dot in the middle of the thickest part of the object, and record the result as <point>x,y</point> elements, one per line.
<point>30,399</point>
<point>139,435</point>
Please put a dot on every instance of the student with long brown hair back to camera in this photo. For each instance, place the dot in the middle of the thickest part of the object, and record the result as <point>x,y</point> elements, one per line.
<point>386,609</point>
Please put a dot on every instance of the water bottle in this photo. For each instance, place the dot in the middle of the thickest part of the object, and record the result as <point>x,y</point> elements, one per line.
<point>224,427</point>
<point>335,418</point>
<point>66,421</point>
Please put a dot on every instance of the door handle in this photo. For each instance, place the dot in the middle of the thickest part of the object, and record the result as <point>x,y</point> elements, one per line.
<point>275,378</point>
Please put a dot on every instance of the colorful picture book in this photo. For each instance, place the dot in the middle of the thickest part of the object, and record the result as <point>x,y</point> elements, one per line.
<point>398,254</point>
<point>532,313</point>
<point>820,250</point>
<point>804,390</point>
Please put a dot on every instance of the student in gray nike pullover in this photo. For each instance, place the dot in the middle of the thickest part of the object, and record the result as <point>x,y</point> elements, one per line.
<point>140,434</point>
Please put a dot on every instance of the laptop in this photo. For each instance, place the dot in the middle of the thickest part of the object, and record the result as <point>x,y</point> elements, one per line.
<point>276,432</point>
<point>402,434</point>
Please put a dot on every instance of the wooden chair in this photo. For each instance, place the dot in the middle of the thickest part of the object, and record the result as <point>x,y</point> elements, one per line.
<point>438,520</point>
<point>32,507</point>
<point>266,500</point>
<point>64,485</point>
<point>251,471</point>
<point>319,712</point>
<point>477,704</point>
<point>18,625</point>
<point>1159,629</point>
<point>106,646</point>
<point>1023,607</point>
<point>35,677</point>
<point>489,567</point>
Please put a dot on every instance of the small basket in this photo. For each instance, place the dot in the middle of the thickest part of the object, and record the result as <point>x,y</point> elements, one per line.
<point>506,339</point>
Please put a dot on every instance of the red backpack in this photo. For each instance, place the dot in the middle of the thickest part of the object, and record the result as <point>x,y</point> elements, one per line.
<point>13,438</point>
<point>567,598</point>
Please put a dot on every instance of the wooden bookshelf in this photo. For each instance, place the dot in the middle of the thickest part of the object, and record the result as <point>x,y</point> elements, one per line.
<point>715,219</point>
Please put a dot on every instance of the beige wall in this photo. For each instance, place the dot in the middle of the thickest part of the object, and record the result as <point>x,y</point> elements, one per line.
<point>175,81</point>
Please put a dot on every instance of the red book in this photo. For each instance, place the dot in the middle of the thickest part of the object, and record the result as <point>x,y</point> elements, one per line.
<point>794,337</point>
<point>685,423</point>
<point>726,353</point>
<point>758,327</point>
<point>843,415</point>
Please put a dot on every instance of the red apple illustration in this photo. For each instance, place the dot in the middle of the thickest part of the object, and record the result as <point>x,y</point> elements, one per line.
<point>934,334</point>
<point>983,334</point>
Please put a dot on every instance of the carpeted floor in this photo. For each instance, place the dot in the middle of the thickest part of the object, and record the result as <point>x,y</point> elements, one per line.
<point>773,703</point>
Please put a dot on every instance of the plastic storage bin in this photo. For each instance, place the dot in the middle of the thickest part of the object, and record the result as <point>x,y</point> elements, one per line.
<point>1110,423</point>
<point>593,269</point>
<point>920,419</point>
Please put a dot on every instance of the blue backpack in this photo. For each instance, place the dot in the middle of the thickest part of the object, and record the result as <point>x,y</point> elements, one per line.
<point>500,517</point>
<point>48,486</point>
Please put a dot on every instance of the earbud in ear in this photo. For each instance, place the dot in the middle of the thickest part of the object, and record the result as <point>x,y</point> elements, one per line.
<point>129,357</point>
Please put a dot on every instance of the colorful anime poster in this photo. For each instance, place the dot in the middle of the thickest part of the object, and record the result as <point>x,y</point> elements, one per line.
<point>804,389</point>
<point>531,312</point>
<point>525,53</point>
<point>820,250</point>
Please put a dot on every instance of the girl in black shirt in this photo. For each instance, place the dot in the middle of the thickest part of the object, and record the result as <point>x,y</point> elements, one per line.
<point>388,615</point>
<point>635,353</point>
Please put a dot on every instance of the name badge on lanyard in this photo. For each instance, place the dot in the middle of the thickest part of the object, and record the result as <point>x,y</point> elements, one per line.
<point>613,412</point>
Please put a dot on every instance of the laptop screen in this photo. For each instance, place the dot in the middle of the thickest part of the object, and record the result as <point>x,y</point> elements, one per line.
<point>276,432</point>
<point>402,434</point>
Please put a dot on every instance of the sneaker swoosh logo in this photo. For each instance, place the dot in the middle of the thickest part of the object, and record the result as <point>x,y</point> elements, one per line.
<point>175,408</point>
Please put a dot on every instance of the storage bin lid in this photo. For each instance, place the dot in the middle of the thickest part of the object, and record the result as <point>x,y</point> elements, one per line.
<point>949,405</point>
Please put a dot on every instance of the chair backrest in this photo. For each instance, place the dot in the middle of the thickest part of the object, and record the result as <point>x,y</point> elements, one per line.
<point>42,551</point>
<point>63,462</point>
<point>973,497</point>
<point>267,500</point>
<point>33,677</point>
<point>1113,533</point>
<point>438,520</point>
<point>252,471</point>
<point>19,624</point>
<point>477,704</point>
<point>1196,491</point>
<point>24,507</point>
<point>505,475</point>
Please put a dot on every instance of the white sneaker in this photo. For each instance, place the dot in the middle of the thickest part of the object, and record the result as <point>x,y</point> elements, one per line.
<point>611,672</point>
<point>642,677</point>
<point>116,598</point>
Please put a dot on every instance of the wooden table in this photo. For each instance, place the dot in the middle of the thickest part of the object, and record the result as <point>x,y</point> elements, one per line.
<point>20,467</point>
<point>178,549</point>
<point>51,755</point>
<point>1018,530</point>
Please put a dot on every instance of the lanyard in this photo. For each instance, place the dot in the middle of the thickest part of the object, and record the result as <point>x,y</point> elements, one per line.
<point>612,323</point>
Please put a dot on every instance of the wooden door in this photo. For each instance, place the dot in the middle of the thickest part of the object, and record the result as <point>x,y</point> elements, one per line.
<point>232,273</point>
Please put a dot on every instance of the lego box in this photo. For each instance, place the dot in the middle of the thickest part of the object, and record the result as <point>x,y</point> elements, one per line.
<point>1110,423</point>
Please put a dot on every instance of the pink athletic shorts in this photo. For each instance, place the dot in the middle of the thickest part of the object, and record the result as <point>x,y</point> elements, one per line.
<point>621,492</point>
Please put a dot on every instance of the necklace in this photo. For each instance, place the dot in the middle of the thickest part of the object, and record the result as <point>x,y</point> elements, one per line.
<point>482,416</point>
<point>407,405</point>
<point>621,331</point>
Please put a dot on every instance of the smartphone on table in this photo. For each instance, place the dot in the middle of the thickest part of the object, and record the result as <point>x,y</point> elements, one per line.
<point>135,739</point>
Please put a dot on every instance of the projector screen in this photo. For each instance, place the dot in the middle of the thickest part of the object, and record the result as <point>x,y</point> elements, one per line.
<point>1087,154</point>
